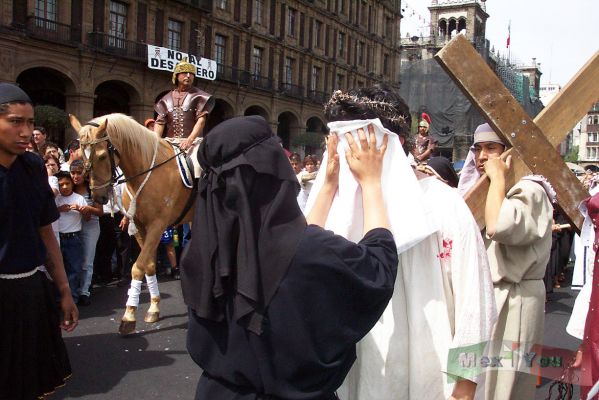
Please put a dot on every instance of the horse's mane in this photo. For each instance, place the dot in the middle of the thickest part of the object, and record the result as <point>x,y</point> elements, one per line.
<point>130,137</point>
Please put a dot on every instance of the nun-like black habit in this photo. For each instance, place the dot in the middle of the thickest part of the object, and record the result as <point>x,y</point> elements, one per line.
<point>275,307</point>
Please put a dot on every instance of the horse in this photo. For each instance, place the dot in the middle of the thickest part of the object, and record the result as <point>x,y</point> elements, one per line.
<point>157,197</point>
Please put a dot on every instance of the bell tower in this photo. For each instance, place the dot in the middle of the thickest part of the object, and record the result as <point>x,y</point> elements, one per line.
<point>450,17</point>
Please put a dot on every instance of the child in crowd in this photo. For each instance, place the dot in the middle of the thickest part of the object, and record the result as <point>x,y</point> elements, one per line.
<point>90,229</point>
<point>70,205</point>
<point>306,179</point>
<point>296,163</point>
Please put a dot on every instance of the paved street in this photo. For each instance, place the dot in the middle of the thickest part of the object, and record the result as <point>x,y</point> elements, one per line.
<point>153,364</point>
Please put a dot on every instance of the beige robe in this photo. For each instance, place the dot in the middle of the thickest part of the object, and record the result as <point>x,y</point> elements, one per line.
<point>518,255</point>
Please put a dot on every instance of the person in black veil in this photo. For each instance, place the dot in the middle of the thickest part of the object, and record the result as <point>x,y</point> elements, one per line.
<point>276,303</point>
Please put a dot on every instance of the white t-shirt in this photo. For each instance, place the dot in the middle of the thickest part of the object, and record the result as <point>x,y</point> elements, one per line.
<point>53,182</point>
<point>70,221</point>
<point>305,187</point>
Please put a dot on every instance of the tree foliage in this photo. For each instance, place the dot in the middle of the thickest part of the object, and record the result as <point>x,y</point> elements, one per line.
<point>572,155</point>
<point>51,118</point>
<point>308,139</point>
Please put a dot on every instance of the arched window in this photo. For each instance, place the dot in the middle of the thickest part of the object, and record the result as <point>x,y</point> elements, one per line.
<point>442,28</point>
<point>462,25</point>
<point>452,28</point>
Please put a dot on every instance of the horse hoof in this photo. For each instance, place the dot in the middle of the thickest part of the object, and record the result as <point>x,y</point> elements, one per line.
<point>126,328</point>
<point>152,317</point>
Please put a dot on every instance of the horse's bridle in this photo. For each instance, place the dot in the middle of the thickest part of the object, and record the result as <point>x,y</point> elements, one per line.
<point>114,175</point>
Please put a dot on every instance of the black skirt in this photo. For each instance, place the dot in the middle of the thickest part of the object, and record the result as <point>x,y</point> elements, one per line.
<point>33,357</point>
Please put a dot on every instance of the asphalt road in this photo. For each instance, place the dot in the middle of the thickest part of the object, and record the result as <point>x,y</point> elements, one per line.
<point>154,364</point>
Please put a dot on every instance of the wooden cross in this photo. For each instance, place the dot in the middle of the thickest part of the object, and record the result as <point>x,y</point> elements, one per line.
<point>533,142</point>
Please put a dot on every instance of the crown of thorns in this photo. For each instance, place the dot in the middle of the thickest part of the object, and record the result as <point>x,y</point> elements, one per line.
<point>339,97</point>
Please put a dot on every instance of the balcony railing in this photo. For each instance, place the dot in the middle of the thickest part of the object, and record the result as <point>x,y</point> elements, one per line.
<point>49,30</point>
<point>205,5</point>
<point>317,96</point>
<point>291,90</point>
<point>232,74</point>
<point>117,46</point>
<point>261,82</point>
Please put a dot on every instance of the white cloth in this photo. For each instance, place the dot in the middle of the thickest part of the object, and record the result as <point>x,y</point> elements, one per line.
<point>443,299</point>
<point>53,182</point>
<point>469,174</point>
<point>583,249</point>
<point>305,188</point>
<point>116,204</point>
<point>583,275</point>
<point>70,221</point>
<point>410,222</point>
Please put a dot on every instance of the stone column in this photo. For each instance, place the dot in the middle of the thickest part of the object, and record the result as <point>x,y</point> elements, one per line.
<point>140,112</point>
<point>80,105</point>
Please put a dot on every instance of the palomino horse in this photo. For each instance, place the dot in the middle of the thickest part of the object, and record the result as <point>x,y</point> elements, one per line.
<point>159,198</point>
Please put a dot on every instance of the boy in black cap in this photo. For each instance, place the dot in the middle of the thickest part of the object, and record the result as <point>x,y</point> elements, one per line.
<point>33,357</point>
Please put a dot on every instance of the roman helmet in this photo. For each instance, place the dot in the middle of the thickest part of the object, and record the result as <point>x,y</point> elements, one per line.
<point>183,66</point>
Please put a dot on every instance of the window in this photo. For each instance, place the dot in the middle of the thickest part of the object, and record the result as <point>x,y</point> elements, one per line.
<point>341,44</point>
<point>593,137</point>
<point>389,27</point>
<point>339,79</point>
<point>592,153</point>
<point>341,4</point>
<point>360,53</point>
<point>315,84</point>
<point>118,24</point>
<point>221,4</point>
<point>385,64</point>
<point>291,17</point>
<point>289,64</point>
<point>175,29</point>
<point>220,48</point>
<point>45,13</point>
<point>259,11</point>
<point>257,62</point>
<point>317,33</point>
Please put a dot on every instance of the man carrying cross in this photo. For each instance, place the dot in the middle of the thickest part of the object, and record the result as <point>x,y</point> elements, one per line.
<point>533,145</point>
<point>518,242</point>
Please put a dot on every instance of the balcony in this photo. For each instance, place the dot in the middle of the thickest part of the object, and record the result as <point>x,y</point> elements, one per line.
<point>232,74</point>
<point>291,90</point>
<point>317,96</point>
<point>261,82</point>
<point>118,47</point>
<point>205,5</point>
<point>52,31</point>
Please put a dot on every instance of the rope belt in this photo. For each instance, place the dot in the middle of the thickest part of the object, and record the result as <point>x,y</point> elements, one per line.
<point>20,276</point>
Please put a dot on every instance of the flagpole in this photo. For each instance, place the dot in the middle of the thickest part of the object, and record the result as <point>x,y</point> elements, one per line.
<point>509,44</point>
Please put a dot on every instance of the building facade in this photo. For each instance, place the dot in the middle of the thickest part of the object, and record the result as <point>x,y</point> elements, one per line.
<point>588,150</point>
<point>278,59</point>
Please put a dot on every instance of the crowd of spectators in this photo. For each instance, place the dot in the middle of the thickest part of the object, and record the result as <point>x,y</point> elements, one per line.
<point>93,238</point>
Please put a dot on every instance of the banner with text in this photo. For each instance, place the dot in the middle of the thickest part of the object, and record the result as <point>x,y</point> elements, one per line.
<point>166,59</point>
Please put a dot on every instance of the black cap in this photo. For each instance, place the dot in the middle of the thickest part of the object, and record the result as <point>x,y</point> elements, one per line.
<point>10,93</point>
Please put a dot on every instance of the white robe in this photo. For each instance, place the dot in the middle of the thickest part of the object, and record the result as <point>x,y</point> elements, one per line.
<point>443,299</point>
<point>584,266</point>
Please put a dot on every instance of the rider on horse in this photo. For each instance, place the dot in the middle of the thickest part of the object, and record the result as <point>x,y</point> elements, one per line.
<point>184,109</point>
